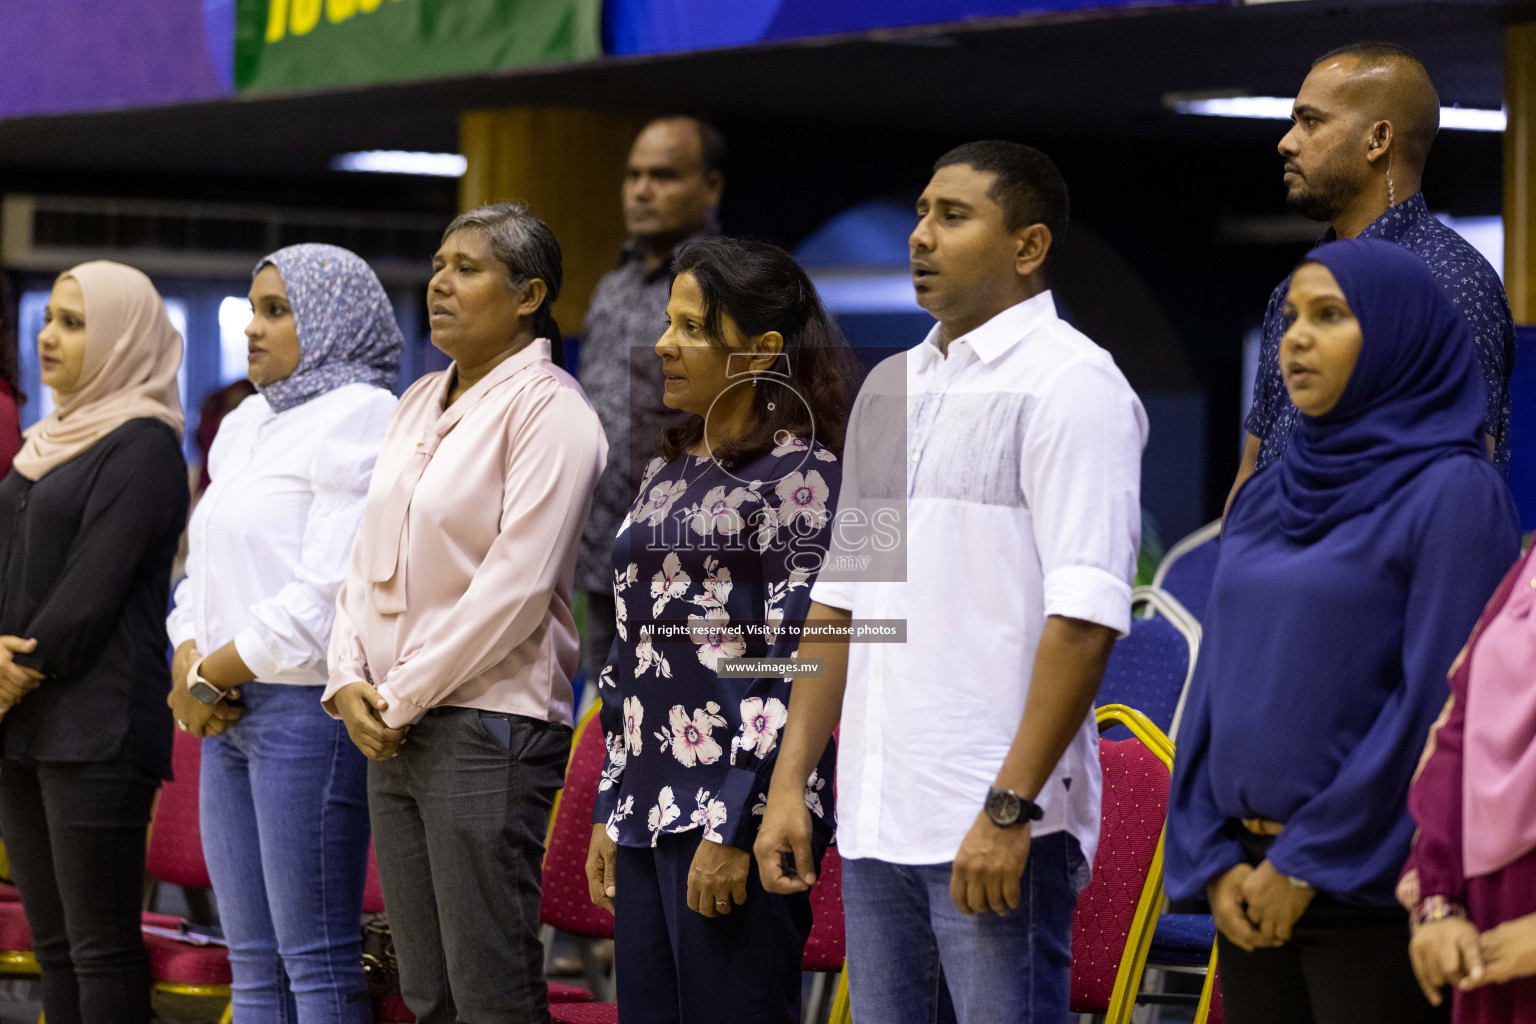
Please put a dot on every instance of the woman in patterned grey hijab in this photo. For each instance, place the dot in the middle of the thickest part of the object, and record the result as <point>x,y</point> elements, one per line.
<point>346,326</point>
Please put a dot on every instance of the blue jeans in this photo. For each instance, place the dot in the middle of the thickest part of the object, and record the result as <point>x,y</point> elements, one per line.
<point>284,805</point>
<point>907,943</point>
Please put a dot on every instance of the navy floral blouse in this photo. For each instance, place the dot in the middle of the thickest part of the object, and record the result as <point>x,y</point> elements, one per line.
<point>704,565</point>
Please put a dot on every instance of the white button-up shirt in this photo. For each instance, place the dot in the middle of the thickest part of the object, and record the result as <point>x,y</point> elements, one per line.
<point>269,542</point>
<point>1018,458</point>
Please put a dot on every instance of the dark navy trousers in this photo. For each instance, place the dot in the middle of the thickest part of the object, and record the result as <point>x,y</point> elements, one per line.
<point>674,966</point>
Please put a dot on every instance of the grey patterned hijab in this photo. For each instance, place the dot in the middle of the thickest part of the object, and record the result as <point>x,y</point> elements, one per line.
<point>346,326</point>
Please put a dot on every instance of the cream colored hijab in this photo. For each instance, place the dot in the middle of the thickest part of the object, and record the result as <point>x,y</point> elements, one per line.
<point>132,354</point>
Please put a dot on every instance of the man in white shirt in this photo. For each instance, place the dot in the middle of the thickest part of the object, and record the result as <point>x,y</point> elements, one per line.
<point>968,773</point>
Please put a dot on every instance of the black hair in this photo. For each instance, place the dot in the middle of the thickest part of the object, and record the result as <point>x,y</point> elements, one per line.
<point>761,288</point>
<point>1028,186</point>
<point>1372,50</point>
<point>527,247</point>
<point>10,358</point>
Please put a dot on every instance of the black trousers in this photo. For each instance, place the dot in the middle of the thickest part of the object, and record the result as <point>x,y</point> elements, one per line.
<point>674,966</point>
<point>75,834</point>
<point>1344,965</point>
<point>458,828</point>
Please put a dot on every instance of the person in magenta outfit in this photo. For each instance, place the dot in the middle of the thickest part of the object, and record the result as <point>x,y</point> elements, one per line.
<point>1471,878</point>
<point>11,397</point>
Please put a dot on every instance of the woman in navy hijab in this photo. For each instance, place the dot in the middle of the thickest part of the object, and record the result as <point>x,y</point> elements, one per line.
<point>1350,573</point>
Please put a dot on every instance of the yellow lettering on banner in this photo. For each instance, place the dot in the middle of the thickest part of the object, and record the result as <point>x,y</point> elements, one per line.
<point>306,14</point>
<point>277,17</point>
<point>368,6</point>
<point>339,10</point>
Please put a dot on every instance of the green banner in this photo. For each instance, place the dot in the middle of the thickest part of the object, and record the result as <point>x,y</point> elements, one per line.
<point>287,45</point>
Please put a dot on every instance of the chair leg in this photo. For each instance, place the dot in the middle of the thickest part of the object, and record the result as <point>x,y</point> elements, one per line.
<point>812,1011</point>
<point>1207,991</point>
<point>229,1013</point>
<point>598,979</point>
<point>547,937</point>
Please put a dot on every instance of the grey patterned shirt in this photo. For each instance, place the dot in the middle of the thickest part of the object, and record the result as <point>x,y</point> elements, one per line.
<point>622,377</point>
<point>1469,282</point>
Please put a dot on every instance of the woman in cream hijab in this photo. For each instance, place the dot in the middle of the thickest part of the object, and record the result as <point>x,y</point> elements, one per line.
<point>90,516</point>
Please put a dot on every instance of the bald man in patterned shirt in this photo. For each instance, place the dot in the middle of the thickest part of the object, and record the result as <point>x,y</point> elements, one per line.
<point>1362,126</point>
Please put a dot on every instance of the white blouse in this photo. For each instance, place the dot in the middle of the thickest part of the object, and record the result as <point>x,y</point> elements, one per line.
<point>269,541</point>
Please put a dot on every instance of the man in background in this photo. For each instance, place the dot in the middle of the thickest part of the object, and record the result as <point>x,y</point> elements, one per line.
<point>1362,126</point>
<point>671,193</point>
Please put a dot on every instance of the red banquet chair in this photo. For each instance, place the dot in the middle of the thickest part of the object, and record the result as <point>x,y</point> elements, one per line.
<point>176,857</point>
<point>1117,913</point>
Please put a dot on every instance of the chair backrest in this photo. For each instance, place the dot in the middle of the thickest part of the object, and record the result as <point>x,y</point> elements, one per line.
<point>825,948</point>
<point>565,903</point>
<point>1150,668</point>
<point>1117,913</point>
<point>175,839</point>
<point>1189,567</point>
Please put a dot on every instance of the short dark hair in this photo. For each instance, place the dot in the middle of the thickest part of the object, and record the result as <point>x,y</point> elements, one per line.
<point>713,152</point>
<point>761,288</point>
<point>1371,49</point>
<point>1028,186</point>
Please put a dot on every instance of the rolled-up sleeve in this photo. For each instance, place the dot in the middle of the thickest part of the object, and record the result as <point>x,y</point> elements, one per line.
<point>1081,477</point>
<point>553,462</point>
<point>291,629</point>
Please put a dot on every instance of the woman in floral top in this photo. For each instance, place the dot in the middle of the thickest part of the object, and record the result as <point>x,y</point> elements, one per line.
<point>719,550</point>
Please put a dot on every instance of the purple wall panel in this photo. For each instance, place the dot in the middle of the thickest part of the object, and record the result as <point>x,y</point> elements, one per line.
<point>58,56</point>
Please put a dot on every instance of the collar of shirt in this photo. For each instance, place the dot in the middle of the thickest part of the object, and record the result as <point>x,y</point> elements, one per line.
<point>531,353</point>
<point>995,338</point>
<point>1392,225</point>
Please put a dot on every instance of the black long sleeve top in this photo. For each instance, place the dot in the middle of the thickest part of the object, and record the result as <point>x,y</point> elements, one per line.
<point>87,553</point>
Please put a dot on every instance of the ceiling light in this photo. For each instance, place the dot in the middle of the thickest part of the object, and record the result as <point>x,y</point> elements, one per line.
<point>1278,108</point>
<point>396,161</point>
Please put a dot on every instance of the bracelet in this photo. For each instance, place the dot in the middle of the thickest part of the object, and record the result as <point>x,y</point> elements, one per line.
<point>1297,883</point>
<point>1437,908</point>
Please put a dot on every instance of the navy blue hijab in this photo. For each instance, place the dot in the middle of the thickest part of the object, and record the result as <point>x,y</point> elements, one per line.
<point>1415,396</point>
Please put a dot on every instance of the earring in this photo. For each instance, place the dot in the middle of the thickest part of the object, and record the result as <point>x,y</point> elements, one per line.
<point>1391,192</point>
<point>754,380</point>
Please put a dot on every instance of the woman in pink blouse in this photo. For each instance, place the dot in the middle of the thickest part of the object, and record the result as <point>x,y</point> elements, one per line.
<point>454,645</point>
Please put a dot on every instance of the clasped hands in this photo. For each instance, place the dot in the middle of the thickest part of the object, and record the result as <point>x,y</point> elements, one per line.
<point>361,709</point>
<point>16,681</point>
<point>1451,951</point>
<point>1256,907</point>
<point>717,878</point>
<point>191,714</point>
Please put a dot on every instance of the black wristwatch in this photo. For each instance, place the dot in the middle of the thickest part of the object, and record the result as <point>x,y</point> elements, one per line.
<point>1006,808</point>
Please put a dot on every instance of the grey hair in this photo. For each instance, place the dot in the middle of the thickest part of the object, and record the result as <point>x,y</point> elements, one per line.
<point>528,249</point>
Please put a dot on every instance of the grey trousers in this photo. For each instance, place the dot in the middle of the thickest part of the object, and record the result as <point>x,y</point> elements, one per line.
<point>458,827</point>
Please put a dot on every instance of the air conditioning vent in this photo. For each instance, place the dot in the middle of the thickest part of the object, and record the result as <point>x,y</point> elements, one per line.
<point>49,234</point>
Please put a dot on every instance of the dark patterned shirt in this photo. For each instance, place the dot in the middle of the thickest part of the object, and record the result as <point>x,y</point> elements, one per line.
<point>711,558</point>
<point>622,377</point>
<point>1469,282</point>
